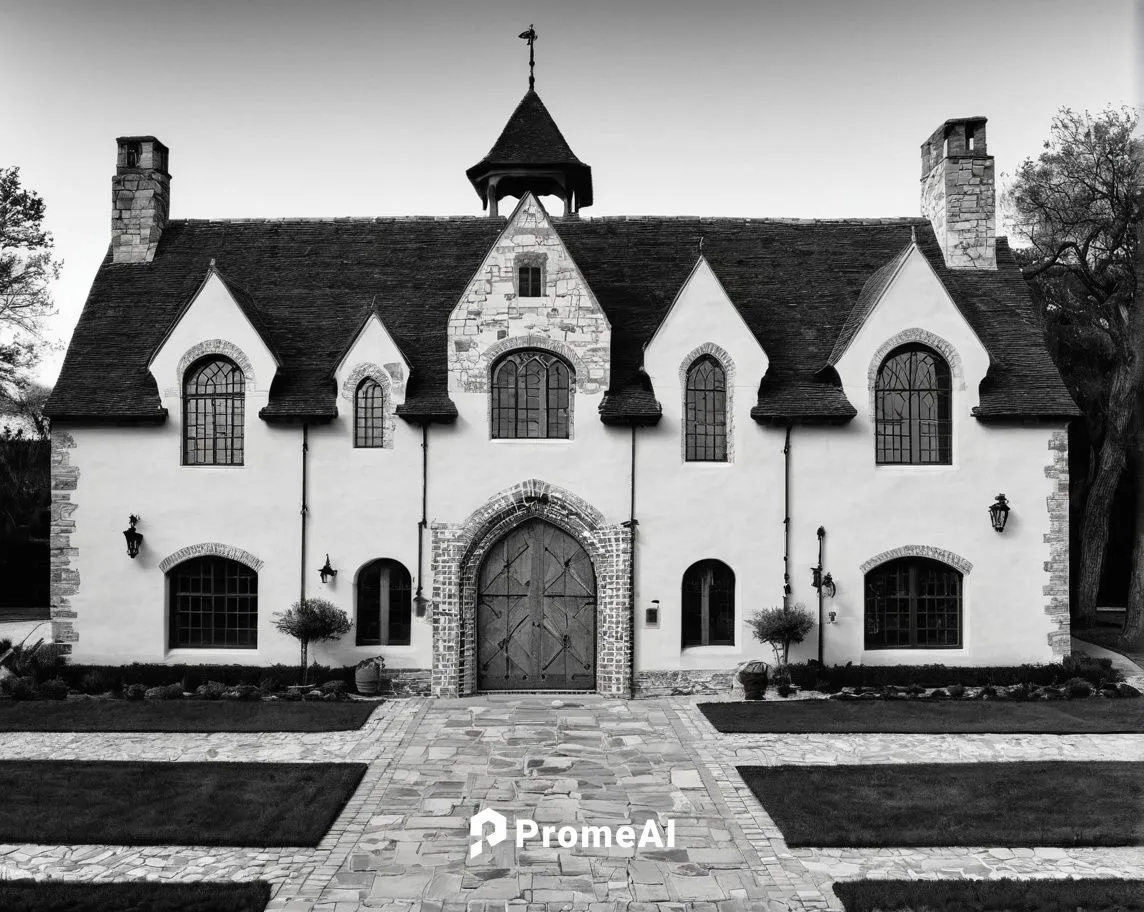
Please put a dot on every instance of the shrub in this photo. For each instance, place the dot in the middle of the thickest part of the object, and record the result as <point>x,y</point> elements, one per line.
<point>1077,688</point>
<point>311,621</point>
<point>956,691</point>
<point>55,689</point>
<point>268,685</point>
<point>191,680</point>
<point>19,688</point>
<point>99,681</point>
<point>212,690</point>
<point>780,628</point>
<point>337,688</point>
<point>785,690</point>
<point>248,693</point>
<point>135,691</point>
<point>159,675</point>
<point>929,676</point>
<point>1090,668</point>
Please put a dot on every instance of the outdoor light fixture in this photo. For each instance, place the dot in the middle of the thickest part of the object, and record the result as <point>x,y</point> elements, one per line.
<point>999,513</point>
<point>832,615</point>
<point>327,572</point>
<point>651,615</point>
<point>420,603</point>
<point>828,585</point>
<point>134,539</point>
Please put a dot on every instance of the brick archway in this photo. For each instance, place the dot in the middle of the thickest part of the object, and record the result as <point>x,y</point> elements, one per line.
<point>459,549</point>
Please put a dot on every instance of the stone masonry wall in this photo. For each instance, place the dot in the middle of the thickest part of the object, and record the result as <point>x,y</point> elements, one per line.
<point>959,199</point>
<point>684,682</point>
<point>566,319</point>
<point>64,578</point>
<point>457,551</point>
<point>1056,588</point>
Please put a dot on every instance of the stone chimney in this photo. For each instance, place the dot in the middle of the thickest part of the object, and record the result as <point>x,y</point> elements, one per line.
<point>959,194</point>
<point>140,199</point>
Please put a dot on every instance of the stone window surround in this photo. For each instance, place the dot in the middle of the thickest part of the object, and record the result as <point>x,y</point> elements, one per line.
<point>215,549</point>
<point>457,551</point>
<point>214,347</point>
<point>576,381</point>
<point>956,561</point>
<point>534,258</point>
<point>728,364</point>
<point>353,379</point>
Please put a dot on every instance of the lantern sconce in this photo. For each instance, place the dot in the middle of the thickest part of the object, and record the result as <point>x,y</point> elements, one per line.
<point>832,616</point>
<point>134,539</point>
<point>420,603</point>
<point>999,513</point>
<point>327,572</point>
<point>651,615</point>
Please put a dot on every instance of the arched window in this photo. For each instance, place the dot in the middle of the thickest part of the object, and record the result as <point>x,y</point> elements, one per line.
<point>384,604</point>
<point>912,408</point>
<point>213,413</point>
<point>531,396</point>
<point>708,605</point>
<point>213,604</point>
<point>369,414</point>
<point>705,421</point>
<point>913,603</point>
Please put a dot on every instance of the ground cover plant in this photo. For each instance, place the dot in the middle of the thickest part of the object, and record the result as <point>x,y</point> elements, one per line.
<point>924,716</point>
<point>137,803</point>
<point>954,804</point>
<point>1088,895</point>
<point>53,896</point>
<point>82,715</point>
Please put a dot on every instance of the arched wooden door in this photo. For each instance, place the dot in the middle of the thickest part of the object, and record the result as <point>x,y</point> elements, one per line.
<point>536,612</point>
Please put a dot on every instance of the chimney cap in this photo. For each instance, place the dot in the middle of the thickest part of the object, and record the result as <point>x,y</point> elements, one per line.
<point>127,139</point>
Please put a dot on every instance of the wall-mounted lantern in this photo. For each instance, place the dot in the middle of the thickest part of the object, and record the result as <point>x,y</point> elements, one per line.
<point>326,571</point>
<point>832,616</point>
<point>420,603</point>
<point>999,513</point>
<point>134,539</point>
<point>651,615</point>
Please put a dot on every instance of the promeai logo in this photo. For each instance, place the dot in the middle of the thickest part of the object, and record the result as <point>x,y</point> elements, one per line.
<point>650,835</point>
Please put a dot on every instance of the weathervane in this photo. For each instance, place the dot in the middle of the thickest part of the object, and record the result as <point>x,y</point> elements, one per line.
<point>530,37</point>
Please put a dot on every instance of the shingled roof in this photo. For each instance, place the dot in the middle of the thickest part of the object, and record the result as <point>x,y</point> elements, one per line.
<point>311,282</point>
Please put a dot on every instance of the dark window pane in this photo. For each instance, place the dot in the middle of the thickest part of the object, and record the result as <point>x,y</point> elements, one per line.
<point>912,409</point>
<point>529,282</point>
<point>213,413</point>
<point>531,396</point>
<point>708,605</point>
<point>213,603</point>
<point>384,604</point>
<point>369,414</point>
<point>913,603</point>
<point>705,408</point>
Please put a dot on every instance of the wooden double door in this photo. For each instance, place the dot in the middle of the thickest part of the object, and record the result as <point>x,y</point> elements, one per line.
<point>536,612</point>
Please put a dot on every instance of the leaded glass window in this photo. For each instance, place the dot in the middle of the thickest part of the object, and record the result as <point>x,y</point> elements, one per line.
<point>530,281</point>
<point>213,413</point>
<point>913,603</point>
<point>705,419</point>
<point>369,414</point>
<point>531,396</point>
<point>213,604</point>
<point>708,605</point>
<point>912,408</point>
<point>384,604</point>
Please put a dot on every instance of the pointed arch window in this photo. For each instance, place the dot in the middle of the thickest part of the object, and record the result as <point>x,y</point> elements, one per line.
<point>532,396</point>
<point>214,397</point>
<point>384,604</point>
<point>912,408</point>
<point>913,603</point>
<point>369,414</point>
<point>705,407</point>
<point>708,605</point>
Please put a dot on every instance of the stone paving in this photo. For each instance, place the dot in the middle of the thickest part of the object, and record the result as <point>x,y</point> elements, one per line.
<point>402,842</point>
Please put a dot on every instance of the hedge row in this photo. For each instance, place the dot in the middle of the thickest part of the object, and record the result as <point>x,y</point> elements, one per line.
<point>80,677</point>
<point>812,676</point>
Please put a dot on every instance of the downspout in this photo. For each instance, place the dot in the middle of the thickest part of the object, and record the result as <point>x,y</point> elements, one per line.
<point>631,524</point>
<point>786,520</point>
<point>305,510</point>
<point>821,536</point>
<point>419,598</point>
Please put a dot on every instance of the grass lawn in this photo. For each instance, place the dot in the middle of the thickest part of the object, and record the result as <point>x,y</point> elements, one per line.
<point>132,803</point>
<point>954,804</point>
<point>928,716</point>
<point>180,716</point>
<point>992,895</point>
<point>52,896</point>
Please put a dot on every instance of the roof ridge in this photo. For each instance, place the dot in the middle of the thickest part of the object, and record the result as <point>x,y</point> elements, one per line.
<point>731,219</point>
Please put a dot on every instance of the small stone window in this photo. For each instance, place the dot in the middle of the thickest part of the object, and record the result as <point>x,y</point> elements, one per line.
<point>384,604</point>
<point>708,605</point>
<point>913,603</point>
<point>530,282</point>
<point>369,414</point>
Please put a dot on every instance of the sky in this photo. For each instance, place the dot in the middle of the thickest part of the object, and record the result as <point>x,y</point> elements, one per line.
<point>272,108</point>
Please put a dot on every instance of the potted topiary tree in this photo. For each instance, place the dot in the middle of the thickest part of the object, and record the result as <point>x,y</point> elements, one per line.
<point>312,620</point>
<point>781,627</point>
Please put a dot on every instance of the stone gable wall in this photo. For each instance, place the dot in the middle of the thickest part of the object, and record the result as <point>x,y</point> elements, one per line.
<point>491,311</point>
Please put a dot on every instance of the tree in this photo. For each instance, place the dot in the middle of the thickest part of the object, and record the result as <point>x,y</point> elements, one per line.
<point>27,269</point>
<point>781,627</point>
<point>312,620</point>
<point>1079,206</point>
<point>26,404</point>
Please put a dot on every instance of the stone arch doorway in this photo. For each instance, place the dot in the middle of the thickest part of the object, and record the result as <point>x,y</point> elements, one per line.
<point>536,612</point>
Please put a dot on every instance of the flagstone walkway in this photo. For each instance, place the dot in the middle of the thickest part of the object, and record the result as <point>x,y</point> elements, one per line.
<point>402,843</point>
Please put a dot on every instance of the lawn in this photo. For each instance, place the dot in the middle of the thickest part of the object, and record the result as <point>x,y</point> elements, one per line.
<point>134,803</point>
<point>181,716</point>
<point>53,896</point>
<point>1089,716</point>
<point>954,804</point>
<point>992,895</point>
